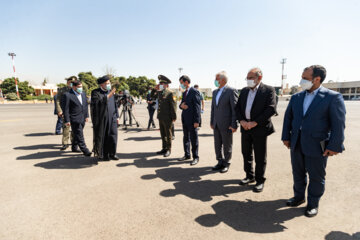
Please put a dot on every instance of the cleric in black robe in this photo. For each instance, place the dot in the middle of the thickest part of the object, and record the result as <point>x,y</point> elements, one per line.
<point>104,116</point>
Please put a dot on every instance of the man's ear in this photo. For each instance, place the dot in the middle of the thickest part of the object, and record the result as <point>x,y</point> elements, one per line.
<point>260,78</point>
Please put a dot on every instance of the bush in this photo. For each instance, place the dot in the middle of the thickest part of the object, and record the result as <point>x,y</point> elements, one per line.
<point>28,97</point>
<point>12,96</point>
<point>43,97</point>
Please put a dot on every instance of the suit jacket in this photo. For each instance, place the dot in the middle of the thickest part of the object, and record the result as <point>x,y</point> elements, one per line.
<point>192,114</point>
<point>322,126</point>
<point>223,115</point>
<point>75,112</point>
<point>263,108</point>
<point>149,98</point>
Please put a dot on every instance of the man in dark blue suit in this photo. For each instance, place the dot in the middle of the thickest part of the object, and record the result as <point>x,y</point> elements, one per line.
<point>313,129</point>
<point>59,122</point>
<point>190,118</point>
<point>76,113</point>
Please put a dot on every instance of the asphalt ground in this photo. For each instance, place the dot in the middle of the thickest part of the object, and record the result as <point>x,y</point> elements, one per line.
<point>49,194</point>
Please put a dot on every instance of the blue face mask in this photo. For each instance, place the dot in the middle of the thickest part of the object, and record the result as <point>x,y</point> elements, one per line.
<point>108,86</point>
<point>182,86</point>
<point>216,82</point>
<point>79,90</point>
<point>71,85</point>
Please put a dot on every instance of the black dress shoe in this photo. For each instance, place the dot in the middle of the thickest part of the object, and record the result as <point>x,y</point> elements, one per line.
<point>292,202</point>
<point>224,169</point>
<point>217,167</point>
<point>311,212</point>
<point>184,158</point>
<point>87,153</point>
<point>64,147</point>
<point>161,152</point>
<point>167,153</point>
<point>113,157</point>
<point>259,187</point>
<point>246,181</point>
<point>194,162</point>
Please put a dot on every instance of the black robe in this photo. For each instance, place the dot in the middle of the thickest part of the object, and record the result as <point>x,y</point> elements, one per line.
<point>104,113</point>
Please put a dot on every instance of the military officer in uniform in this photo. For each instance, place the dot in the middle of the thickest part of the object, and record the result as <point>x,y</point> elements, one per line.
<point>60,107</point>
<point>166,112</point>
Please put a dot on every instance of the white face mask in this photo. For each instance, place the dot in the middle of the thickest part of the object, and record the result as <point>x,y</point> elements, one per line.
<point>161,87</point>
<point>305,84</point>
<point>251,83</point>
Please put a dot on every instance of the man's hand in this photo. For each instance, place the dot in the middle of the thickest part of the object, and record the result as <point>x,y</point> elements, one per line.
<point>287,143</point>
<point>111,93</point>
<point>329,153</point>
<point>173,120</point>
<point>118,121</point>
<point>157,87</point>
<point>86,119</point>
<point>233,129</point>
<point>67,124</point>
<point>212,126</point>
<point>60,114</point>
<point>244,124</point>
<point>184,106</point>
<point>252,125</point>
<point>196,125</point>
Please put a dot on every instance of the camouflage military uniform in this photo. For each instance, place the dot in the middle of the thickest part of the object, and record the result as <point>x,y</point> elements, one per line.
<point>59,106</point>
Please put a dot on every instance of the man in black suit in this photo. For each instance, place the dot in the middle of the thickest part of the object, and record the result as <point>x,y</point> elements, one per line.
<point>76,113</point>
<point>151,108</point>
<point>190,118</point>
<point>256,106</point>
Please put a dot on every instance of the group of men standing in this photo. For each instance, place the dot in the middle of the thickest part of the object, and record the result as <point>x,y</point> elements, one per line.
<point>313,128</point>
<point>72,107</point>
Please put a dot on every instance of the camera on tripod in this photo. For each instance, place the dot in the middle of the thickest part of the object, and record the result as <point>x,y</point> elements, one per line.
<point>126,101</point>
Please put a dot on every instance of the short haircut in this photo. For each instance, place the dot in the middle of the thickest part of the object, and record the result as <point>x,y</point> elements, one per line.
<point>196,86</point>
<point>76,83</point>
<point>185,78</point>
<point>318,71</point>
<point>257,71</point>
<point>222,75</point>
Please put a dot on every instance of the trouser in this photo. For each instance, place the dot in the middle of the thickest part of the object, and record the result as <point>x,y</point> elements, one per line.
<point>58,125</point>
<point>191,135</point>
<point>256,144</point>
<point>67,136</point>
<point>166,135</point>
<point>173,130</point>
<point>78,140</point>
<point>151,111</point>
<point>223,145</point>
<point>315,168</point>
<point>110,138</point>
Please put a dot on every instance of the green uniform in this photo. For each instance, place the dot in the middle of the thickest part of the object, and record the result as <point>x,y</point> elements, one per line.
<point>66,129</point>
<point>166,114</point>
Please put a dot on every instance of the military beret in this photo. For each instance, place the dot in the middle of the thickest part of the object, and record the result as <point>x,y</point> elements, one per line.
<point>163,79</point>
<point>185,78</point>
<point>103,79</point>
<point>72,78</point>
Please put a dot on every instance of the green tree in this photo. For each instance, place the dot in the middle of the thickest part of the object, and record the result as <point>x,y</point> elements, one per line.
<point>8,86</point>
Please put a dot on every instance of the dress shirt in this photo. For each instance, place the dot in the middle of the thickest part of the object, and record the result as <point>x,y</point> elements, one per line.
<point>309,97</point>
<point>219,94</point>
<point>78,95</point>
<point>250,101</point>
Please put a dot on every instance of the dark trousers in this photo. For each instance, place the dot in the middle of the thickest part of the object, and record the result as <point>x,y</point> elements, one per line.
<point>110,138</point>
<point>191,135</point>
<point>78,136</point>
<point>256,144</point>
<point>223,144</point>
<point>166,135</point>
<point>151,111</point>
<point>315,167</point>
<point>59,124</point>
<point>173,129</point>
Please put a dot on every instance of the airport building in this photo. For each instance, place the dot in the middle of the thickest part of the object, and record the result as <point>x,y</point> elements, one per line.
<point>349,90</point>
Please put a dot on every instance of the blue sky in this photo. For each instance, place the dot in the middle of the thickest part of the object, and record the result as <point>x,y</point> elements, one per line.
<point>56,39</point>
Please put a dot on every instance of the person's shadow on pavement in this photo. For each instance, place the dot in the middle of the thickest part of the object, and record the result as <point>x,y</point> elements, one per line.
<point>337,235</point>
<point>251,216</point>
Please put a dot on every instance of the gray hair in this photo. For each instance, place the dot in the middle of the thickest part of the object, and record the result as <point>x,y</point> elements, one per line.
<point>257,71</point>
<point>222,75</point>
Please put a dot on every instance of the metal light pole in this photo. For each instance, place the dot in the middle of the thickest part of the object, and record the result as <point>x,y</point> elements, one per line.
<point>12,55</point>
<point>283,61</point>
